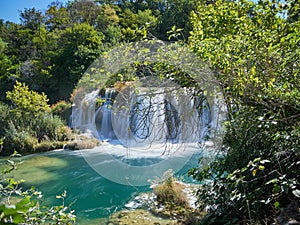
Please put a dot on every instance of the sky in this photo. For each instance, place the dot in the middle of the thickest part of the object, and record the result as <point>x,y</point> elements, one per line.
<point>9,8</point>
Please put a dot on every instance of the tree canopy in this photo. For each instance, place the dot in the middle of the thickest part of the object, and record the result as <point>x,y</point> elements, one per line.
<point>253,50</point>
<point>50,50</point>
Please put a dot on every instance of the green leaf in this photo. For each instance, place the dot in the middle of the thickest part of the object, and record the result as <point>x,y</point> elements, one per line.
<point>273,181</point>
<point>277,205</point>
<point>24,204</point>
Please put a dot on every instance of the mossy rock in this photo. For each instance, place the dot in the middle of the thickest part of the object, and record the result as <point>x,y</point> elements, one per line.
<point>138,217</point>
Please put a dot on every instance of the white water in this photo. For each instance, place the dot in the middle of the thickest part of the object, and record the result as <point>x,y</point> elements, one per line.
<point>145,119</point>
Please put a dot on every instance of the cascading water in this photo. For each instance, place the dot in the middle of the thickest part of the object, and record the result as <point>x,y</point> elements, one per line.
<point>83,112</point>
<point>144,118</point>
<point>103,116</point>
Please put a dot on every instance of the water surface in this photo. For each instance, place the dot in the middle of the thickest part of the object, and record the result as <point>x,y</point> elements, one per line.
<point>93,197</point>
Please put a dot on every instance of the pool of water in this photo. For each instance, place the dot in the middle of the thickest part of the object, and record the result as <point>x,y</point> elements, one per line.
<point>93,197</point>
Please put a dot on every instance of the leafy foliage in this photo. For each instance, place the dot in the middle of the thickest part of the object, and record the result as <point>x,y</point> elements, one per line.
<point>29,123</point>
<point>254,53</point>
<point>26,100</point>
<point>253,49</point>
<point>50,51</point>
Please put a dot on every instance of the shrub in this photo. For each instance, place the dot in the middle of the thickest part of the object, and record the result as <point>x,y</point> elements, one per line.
<point>60,107</point>
<point>170,192</point>
<point>259,175</point>
<point>36,136</point>
<point>49,127</point>
<point>15,138</point>
<point>29,126</point>
<point>257,64</point>
<point>26,100</point>
<point>4,118</point>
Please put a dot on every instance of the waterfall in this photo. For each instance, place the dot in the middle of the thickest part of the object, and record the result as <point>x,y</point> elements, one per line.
<point>146,132</point>
<point>83,112</point>
<point>103,116</point>
<point>140,118</point>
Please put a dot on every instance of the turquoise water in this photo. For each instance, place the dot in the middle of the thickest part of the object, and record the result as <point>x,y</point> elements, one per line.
<point>93,197</point>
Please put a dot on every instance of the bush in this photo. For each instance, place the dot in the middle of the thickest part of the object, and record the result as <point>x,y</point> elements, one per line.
<point>257,64</point>
<point>49,127</point>
<point>62,109</point>
<point>170,192</point>
<point>4,118</point>
<point>15,138</point>
<point>27,101</point>
<point>36,136</point>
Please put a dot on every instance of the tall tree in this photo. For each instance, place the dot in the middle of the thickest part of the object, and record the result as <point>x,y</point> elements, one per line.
<point>78,47</point>
<point>57,17</point>
<point>31,18</point>
<point>84,11</point>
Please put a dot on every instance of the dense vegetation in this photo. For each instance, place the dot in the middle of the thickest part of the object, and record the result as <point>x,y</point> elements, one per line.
<point>29,124</point>
<point>252,48</point>
<point>50,51</point>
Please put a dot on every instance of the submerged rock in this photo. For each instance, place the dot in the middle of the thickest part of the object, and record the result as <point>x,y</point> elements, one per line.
<point>140,217</point>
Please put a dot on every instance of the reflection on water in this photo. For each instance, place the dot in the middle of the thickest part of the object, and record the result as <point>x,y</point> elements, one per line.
<point>94,198</point>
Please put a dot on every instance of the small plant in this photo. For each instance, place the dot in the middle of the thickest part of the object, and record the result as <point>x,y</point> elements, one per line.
<point>60,107</point>
<point>172,199</point>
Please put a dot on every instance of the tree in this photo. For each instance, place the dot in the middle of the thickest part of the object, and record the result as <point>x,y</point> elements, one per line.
<point>31,18</point>
<point>108,23</point>
<point>84,11</point>
<point>253,52</point>
<point>57,17</point>
<point>78,46</point>
<point>6,69</point>
<point>175,13</point>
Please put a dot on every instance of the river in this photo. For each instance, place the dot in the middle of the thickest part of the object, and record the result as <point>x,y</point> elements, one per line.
<point>94,197</point>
